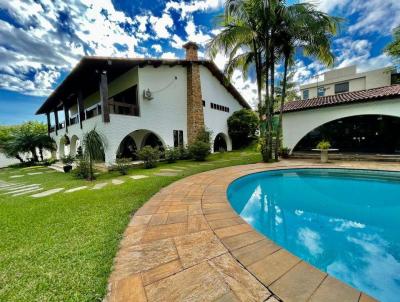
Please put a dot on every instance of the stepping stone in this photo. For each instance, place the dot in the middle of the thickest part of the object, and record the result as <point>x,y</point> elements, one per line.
<point>166,174</point>
<point>180,167</point>
<point>138,176</point>
<point>47,193</point>
<point>99,186</point>
<point>35,173</point>
<point>27,188</point>
<point>27,192</point>
<point>16,176</point>
<point>205,164</point>
<point>20,186</point>
<point>117,181</point>
<point>170,170</point>
<point>75,189</point>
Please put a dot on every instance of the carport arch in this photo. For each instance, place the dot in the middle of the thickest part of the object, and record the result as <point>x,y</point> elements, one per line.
<point>298,124</point>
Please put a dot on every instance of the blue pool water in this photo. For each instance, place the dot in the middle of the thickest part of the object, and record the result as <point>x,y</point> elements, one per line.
<point>345,222</point>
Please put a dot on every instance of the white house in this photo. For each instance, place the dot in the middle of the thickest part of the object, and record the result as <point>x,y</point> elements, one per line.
<point>346,79</point>
<point>138,102</point>
<point>356,112</point>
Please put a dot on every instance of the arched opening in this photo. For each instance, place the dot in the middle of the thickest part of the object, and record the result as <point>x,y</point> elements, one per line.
<point>74,145</point>
<point>357,134</point>
<point>220,143</point>
<point>127,148</point>
<point>150,139</point>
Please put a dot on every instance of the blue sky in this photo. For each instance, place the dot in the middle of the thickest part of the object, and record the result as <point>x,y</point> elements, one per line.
<point>41,40</point>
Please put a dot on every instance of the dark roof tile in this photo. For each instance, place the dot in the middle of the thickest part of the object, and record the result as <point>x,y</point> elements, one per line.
<point>375,94</point>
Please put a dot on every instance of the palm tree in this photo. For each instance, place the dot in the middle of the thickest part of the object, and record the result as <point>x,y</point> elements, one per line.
<point>303,27</point>
<point>239,39</point>
<point>93,149</point>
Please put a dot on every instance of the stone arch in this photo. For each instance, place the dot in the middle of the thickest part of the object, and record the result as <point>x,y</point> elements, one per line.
<point>127,148</point>
<point>296,125</point>
<point>153,140</point>
<point>139,137</point>
<point>74,145</point>
<point>220,142</point>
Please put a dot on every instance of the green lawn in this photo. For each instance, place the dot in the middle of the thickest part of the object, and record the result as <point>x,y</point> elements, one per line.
<point>61,247</point>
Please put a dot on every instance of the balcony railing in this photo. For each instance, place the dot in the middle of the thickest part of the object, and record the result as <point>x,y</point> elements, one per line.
<point>123,108</point>
<point>93,111</point>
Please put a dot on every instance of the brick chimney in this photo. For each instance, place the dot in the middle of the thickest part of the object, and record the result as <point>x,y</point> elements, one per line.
<point>195,114</point>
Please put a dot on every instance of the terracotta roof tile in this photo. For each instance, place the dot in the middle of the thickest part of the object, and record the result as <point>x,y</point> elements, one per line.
<point>375,94</point>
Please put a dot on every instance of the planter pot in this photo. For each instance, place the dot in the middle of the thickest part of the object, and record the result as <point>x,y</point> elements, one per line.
<point>67,168</point>
<point>324,156</point>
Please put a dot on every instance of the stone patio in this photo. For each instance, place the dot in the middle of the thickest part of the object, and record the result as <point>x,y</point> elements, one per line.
<point>187,244</point>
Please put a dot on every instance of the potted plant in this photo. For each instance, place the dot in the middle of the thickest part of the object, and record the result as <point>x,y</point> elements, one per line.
<point>285,152</point>
<point>324,146</point>
<point>67,161</point>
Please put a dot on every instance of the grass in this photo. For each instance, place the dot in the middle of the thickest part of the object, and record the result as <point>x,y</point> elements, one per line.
<point>61,247</point>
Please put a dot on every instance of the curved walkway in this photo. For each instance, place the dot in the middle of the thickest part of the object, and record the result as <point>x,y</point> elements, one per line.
<point>187,244</point>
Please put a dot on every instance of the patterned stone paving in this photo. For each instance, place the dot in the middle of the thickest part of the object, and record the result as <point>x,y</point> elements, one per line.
<point>187,244</point>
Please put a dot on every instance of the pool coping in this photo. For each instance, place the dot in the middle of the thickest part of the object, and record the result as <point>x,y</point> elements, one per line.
<point>188,243</point>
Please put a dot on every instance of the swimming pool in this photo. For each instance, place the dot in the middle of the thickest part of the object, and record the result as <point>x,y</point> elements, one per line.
<point>345,222</point>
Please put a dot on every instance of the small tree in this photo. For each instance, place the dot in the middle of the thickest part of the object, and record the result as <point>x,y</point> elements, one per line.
<point>242,126</point>
<point>93,149</point>
<point>150,156</point>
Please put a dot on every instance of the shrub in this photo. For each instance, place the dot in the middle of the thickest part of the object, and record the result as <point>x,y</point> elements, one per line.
<point>82,168</point>
<point>199,150</point>
<point>67,160</point>
<point>204,136</point>
<point>285,151</point>
<point>242,126</point>
<point>48,162</point>
<point>184,152</point>
<point>122,165</point>
<point>149,155</point>
<point>324,145</point>
<point>172,154</point>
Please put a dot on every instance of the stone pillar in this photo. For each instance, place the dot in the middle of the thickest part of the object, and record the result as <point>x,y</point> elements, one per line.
<point>195,114</point>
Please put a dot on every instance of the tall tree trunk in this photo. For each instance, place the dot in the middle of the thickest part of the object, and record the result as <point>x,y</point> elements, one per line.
<point>258,75</point>
<point>19,158</point>
<point>283,97</point>
<point>41,153</point>
<point>34,154</point>
<point>272,101</point>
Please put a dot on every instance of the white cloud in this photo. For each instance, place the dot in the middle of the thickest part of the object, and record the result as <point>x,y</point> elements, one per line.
<point>195,34</point>
<point>194,6</point>
<point>168,55</point>
<point>371,16</point>
<point>310,240</point>
<point>161,25</point>
<point>177,42</point>
<point>43,47</point>
<point>157,47</point>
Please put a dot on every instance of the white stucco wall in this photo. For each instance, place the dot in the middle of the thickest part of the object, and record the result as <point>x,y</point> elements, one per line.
<point>167,111</point>
<point>214,92</point>
<point>297,124</point>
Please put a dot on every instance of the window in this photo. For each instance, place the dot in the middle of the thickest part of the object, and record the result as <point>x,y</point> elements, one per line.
<point>178,138</point>
<point>321,91</point>
<point>342,87</point>
<point>305,94</point>
<point>219,107</point>
<point>125,102</point>
<point>204,103</point>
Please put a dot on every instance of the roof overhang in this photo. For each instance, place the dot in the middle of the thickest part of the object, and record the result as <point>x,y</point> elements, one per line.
<point>84,78</point>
